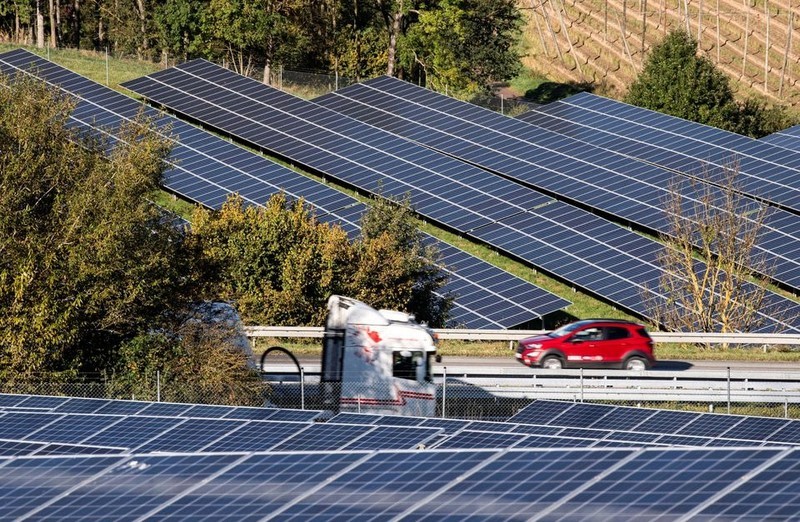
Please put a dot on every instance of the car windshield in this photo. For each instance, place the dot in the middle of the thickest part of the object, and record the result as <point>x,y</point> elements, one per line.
<point>564,330</point>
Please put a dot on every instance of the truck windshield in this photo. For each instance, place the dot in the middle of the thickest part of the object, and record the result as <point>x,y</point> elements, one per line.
<point>407,364</point>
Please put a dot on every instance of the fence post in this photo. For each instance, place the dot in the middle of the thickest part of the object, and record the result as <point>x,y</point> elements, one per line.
<point>158,385</point>
<point>302,389</point>
<point>729,389</point>
<point>581,384</point>
<point>786,407</point>
<point>444,390</point>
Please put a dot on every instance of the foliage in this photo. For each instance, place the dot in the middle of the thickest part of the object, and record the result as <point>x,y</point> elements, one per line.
<point>711,260</point>
<point>198,363</point>
<point>676,81</point>
<point>280,265</point>
<point>85,259</point>
<point>464,45</point>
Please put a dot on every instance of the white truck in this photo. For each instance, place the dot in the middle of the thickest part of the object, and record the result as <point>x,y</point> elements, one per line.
<point>376,361</point>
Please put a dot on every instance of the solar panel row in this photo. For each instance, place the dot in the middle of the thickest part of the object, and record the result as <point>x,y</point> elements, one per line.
<point>587,168</point>
<point>206,169</point>
<point>575,484</point>
<point>556,237</point>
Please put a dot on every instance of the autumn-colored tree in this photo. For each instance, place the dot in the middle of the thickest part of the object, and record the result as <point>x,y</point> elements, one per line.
<point>715,279</point>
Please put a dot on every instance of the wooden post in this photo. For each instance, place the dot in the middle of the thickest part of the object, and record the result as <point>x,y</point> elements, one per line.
<point>746,36</point>
<point>644,26</point>
<point>718,44</point>
<point>786,52</point>
<point>766,48</point>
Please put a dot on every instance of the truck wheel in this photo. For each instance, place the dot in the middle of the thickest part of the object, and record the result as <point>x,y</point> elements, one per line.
<point>552,362</point>
<point>636,364</point>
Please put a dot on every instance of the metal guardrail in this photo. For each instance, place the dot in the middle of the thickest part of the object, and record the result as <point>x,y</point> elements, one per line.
<point>513,335</point>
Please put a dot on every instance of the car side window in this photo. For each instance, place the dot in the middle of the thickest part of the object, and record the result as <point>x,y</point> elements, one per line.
<point>589,334</point>
<point>615,332</point>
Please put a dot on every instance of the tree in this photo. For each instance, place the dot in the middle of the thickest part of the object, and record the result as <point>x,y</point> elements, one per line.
<point>714,277</point>
<point>464,44</point>
<point>280,265</point>
<point>676,81</point>
<point>86,261</point>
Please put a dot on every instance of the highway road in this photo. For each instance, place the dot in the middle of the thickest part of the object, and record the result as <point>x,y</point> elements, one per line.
<point>509,365</point>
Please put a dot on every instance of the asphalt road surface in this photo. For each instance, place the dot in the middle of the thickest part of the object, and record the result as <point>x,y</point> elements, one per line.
<point>500,365</point>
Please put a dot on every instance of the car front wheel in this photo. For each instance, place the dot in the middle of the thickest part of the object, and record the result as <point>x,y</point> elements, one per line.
<point>551,362</point>
<point>636,364</point>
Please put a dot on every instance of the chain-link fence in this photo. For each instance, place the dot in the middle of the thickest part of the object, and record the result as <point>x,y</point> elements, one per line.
<point>451,397</point>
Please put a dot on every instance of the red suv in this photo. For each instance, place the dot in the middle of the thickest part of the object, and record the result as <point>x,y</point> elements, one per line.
<point>591,343</point>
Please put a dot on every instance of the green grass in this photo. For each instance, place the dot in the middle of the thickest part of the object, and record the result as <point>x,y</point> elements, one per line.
<point>526,81</point>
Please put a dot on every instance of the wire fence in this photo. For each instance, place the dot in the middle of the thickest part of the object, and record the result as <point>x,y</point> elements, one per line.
<point>454,398</point>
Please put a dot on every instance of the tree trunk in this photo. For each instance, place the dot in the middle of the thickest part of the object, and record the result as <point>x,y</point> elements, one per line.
<point>398,16</point>
<point>53,42</point>
<point>39,25</point>
<point>142,28</point>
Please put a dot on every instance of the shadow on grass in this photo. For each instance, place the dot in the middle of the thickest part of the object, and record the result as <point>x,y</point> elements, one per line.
<point>551,91</point>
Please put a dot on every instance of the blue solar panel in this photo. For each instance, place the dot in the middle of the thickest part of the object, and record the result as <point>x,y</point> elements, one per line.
<point>756,428</point>
<point>132,432</point>
<point>13,448</point>
<point>480,439</point>
<point>191,435</point>
<point>541,412</point>
<point>323,437</point>
<point>658,484</point>
<point>132,488</point>
<point>598,121</point>
<point>677,143</point>
<point>516,485</point>
<point>256,436</point>
<point>73,428</point>
<point>78,405</point>
<point>25,484</point>
<point>15,425</point>
<point>394,437</point>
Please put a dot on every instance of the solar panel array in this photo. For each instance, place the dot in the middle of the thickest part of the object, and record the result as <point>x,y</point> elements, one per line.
<point>603,122</point>
<point>587,251</point>
<point>354,466</point>
<point>686,146</point>
<point>206,169</point>
<point>585,167</point>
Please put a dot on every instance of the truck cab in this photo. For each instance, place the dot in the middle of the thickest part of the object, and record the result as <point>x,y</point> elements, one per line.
<point>376,361</point>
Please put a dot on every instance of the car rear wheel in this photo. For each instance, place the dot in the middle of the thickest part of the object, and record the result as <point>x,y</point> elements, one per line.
<point>552,362</point>
<point>636,364</point>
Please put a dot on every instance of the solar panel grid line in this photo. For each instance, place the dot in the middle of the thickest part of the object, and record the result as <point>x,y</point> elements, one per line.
<point>711,141</point>
<point>646,216</point>
<point>198,484</point>
<point>341,155</point>
<point>185,145</point>
<point>737,484</point>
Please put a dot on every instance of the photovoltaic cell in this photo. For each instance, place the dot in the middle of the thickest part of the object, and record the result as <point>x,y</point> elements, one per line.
<point>19,425</point>
<point>622,419</point>
<point>516,485</point>
<point>541,412</point>
<point>323,437</point>
<point>666,422</point>
<point>581,415</point>
<point>248,413</point>
<point>659,484</point>
<point>756,428</point>
<point>190,435</point>
<point>295,415</point>
<point>543,441</point>
<point>26,483</point>
<point>253,489</point>
<point>132,432</point>
<point>13,448</point>
<point>132,488</point>
<point>166,409</point>
<point>206,169</point>
<point>394,438</point>
<point>118,407</point>
<point>682,440</point>
<point>538,430</point>
<point>9,400</point>
<point>710,425</point>
<point>789,433</point>
<point>79,449</point>
<point>383,486</point>
<point>772,494</point>
<point>256,436</point>
<point>480,439</point>
<point>73,428</point>
<point>79,405</point>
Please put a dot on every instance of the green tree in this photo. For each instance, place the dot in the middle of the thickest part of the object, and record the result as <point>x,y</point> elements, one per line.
<point>280,265</point>
<point>464,45</point>
<point>85,259</point>
<point>179,24</point>
<point>676,81</point>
